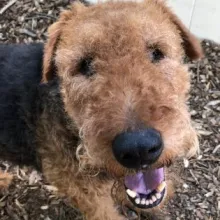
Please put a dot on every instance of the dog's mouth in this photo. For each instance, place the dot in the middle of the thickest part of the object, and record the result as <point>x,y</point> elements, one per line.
<point>146,189</point>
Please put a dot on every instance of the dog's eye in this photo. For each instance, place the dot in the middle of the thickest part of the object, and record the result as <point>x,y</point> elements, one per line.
<point>85,66</point>
<point>156,55</point>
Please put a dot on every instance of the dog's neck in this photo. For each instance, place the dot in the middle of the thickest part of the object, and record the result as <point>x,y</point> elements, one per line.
<point>49,99</point>
<point>49,108</point>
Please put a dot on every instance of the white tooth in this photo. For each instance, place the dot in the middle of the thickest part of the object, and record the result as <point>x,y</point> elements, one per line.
<point>137,200</point>
<point>131,193</point>
<point>161,187</point>
<point>154,198</point>
<point>143,201</point>
<point>158,195</point>
<point>147,202</point>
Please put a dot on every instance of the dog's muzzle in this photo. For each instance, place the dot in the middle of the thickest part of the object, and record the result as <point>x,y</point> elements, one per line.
<point>138,150</point>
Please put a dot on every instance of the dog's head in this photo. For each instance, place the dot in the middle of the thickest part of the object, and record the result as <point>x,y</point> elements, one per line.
<point>125,86</point>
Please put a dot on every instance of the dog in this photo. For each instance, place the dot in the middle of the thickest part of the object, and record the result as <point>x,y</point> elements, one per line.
<point>101,108</point>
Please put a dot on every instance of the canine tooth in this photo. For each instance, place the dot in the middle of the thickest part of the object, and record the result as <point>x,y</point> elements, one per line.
<point>161,187</point>
<point>154,198</point>
<point>131,193</point>
<point>137,200</point>
<point>158,195</point>
<point>147,202</point>
<point>143,201</point>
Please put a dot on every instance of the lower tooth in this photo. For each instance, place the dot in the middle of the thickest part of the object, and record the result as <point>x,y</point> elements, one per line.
<point>143,202</point>
<point>137,201</point>
<point>161,187</point>
<point>158,195</point>
<point>154,198</point>
<point>131,193</point>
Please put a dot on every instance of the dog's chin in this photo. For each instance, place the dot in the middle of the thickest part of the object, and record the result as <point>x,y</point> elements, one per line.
<point>146,189</point>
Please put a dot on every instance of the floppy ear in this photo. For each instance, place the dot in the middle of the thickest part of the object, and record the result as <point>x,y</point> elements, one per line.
<point>54,33</point>
<point>49,50</point>
<point>191,44</point>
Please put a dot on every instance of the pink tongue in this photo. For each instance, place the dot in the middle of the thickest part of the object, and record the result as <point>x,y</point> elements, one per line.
<point>145,182</point>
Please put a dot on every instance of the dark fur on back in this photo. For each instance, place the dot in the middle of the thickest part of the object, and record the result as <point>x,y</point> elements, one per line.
<point>24,101</point>
<point>20,75</point>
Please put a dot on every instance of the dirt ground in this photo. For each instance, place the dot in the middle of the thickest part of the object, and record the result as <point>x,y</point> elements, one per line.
<point>198,195</point>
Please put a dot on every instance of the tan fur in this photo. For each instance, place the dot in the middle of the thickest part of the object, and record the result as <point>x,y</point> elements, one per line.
<point>125,90</point>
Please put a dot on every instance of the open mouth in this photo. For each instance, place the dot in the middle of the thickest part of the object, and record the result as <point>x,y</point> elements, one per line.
<point>146,189</point>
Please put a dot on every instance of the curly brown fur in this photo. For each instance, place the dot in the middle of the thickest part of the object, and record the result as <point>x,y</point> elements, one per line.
<point>100,79</point>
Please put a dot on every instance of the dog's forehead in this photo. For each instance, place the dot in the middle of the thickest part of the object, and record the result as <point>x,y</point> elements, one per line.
<point>131,25</point>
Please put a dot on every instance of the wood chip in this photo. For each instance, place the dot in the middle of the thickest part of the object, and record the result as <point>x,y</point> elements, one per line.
<point>7,6</point>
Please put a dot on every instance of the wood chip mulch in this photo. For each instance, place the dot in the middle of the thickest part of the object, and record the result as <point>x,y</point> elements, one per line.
<point>29,197</point>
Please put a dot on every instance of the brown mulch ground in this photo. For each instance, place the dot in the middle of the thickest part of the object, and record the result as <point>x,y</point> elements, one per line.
<point>197,197</point>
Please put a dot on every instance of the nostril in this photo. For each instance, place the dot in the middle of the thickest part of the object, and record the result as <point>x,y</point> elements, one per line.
<point>127,156</point>
<point>130,160</point>
<point>153,150</point>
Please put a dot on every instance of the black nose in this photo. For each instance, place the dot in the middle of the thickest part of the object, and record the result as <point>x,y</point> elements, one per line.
<point>138,148</point>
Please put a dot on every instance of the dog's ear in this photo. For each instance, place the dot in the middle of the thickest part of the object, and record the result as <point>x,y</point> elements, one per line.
<point>191,44</point>
<point>54,33</point>
<point>49,50</point>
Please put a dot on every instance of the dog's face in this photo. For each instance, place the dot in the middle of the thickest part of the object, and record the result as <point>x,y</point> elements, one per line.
<point>124,85</point>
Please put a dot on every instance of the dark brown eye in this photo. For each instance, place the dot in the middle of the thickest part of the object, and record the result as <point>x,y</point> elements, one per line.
<point>85,66</point>
<point>156,55</point>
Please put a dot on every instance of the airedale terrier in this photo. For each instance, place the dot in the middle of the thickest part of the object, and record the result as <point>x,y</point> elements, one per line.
<point>109,113</point>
